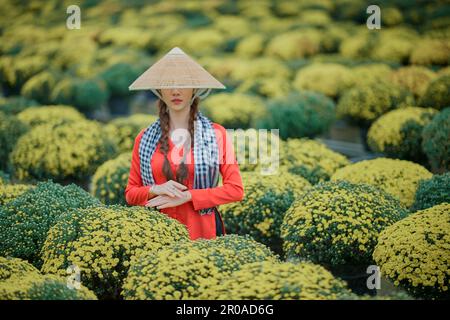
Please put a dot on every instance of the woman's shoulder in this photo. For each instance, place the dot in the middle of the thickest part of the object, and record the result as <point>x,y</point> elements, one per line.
<point>140,134</point>
<point>219,127</point>
<point>221,132</point>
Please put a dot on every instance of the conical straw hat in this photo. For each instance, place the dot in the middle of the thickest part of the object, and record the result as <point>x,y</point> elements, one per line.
<point>175,70</point>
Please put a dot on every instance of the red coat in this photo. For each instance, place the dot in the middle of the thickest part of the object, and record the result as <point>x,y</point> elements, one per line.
<point>199,226</point>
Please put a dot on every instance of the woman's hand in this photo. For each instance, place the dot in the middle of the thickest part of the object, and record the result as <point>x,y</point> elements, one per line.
<point>170,188</point>
<point>163,201</point>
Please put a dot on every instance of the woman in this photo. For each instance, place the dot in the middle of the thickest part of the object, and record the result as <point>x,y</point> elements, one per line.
<point>177,160</point>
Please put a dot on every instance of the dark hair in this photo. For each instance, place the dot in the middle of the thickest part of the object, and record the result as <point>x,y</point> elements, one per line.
<point>164,116</point>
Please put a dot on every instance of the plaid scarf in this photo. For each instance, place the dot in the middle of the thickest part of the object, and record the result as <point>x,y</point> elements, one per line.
<point>206,155</point>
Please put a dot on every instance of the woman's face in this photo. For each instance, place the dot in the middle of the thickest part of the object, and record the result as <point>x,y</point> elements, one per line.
<point>177,98</point>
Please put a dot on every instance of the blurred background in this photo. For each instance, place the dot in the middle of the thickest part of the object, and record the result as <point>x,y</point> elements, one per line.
<point>369,106</point>
<point>312,69</point>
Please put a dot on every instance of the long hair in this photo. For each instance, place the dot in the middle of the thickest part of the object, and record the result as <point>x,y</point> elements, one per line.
<point>164,116</point>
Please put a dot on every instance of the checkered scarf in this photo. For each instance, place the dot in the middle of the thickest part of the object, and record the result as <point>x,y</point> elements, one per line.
<point>206,155</point>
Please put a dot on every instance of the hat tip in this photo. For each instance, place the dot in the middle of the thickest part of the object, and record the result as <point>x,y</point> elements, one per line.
<point>176,50</point>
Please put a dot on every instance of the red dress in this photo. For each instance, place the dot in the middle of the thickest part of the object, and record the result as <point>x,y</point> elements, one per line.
<point>199,226</point>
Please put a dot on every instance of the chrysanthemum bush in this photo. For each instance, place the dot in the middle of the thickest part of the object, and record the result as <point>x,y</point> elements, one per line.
<point>435,141</point>
<point>433,191</point>
<point>330,79</point>
<point>57,114</point>
<point>414,253</point>
<point>103,241</point>
<point>398,133</point>
<point>260,213</point>
<point>394,45</point>
<point>358,45</point>
<point>110,180</point>
<point>430,51</point>
<point>84,94</point>
<point>400,178</point>
<point>234,110</point>
<point>25,221</point>
<point>124,129</point>
<point>170,274</point>
<point>10,267</point>
<point>365,103</point>
<point>299,114</point>
<point>437,94</point>
<point>19,280</point>
<point>338,223</point>
<point>371,73</point>
<point>253,69</point>
<point>266,77</point>
<point>9,192</point>
<point>40,86</point>
<point>11,128</point>
<point>293,44</point>
<point>269,280</point>
<point>186,269</point>
<point>68,151</point>
<point>231,251</point>
<point>199,41</point>
<point>265,87</point>
<point>311,159</point>
<point>413,78</point>
<point>251,45</point>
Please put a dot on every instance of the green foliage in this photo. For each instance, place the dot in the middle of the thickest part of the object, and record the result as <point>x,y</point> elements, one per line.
<point>437,94</point>
<point>25,221</point>
<point>432,192</point>
<point>435,141</point>
<point>11,128</point>
<point>15,104</point>
<point>118,77</point>
<point>300,114</point>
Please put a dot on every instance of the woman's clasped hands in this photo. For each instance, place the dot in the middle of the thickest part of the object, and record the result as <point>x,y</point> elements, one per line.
<point>169,194</point>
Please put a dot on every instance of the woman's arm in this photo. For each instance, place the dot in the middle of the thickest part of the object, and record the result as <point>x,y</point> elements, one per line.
<point>136,193</point>
<point>232,189</point>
